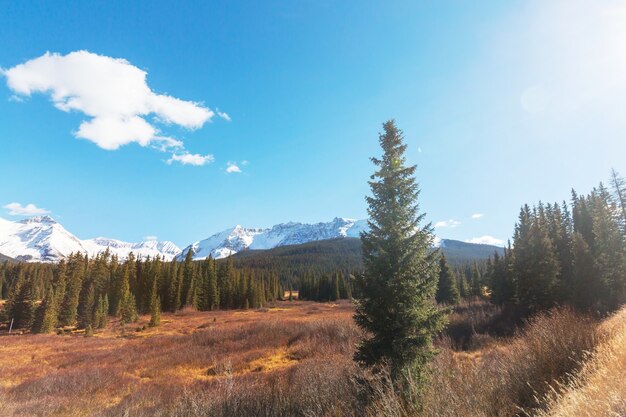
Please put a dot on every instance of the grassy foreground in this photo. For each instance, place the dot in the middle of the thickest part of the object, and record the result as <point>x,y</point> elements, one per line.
<point>296,359</point>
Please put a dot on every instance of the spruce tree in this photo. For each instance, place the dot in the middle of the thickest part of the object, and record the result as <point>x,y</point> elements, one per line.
<point>213,293</point>
<point>188,279</point>
<point>87,307</point>
<point>46,313</point>
<point>155,307</point>
<point>619,193</point>
<point>102,311</point>
<point>608,251</point>
<point>69,305</point>
<point>396,308</point>
<point>447,290</point>
<point>537,267</point>
<point>129,309</point>
<point>21,304</point>
<point>476,288</point>
<point>335,293</point>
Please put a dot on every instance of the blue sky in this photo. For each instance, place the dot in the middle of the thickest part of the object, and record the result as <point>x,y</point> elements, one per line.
<point>501,103</point>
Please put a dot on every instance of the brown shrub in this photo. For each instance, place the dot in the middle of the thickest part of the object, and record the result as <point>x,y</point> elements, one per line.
<point>598,389</point>
<point>507,377</point>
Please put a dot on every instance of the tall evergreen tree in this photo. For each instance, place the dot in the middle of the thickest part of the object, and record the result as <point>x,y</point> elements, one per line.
<point>46,313</point>
<point>608,251</point>
<point>476,286</point>
<point>21,304</point>
<point>397,307</point>
<point>188,279</point>
<point>155,307</point>
<point>102,312</point>
<point>447,290</point>
<point>619,190</point>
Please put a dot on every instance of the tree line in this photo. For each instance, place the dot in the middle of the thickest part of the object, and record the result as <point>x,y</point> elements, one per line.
<point>84,292</point>
<point>566,254</point>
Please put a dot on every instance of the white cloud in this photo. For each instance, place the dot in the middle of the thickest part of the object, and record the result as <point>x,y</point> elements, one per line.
<point>16,209</point>
<point>477,216</point>
<point>150,238</point>
<point>191,159</point>
<point>223,115</point>
<point>447,223</point>
<point>111,92</point>
<point>233,168</point>
<point>487,240</point>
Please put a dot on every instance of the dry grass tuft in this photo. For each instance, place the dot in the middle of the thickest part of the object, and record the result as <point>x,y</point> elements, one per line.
<point>599,389</point>
<point>508,375</point>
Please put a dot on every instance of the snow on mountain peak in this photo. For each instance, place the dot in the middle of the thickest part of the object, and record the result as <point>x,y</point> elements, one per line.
<point>42,239</point>
<point>238,238</point>
<point>39,219</point>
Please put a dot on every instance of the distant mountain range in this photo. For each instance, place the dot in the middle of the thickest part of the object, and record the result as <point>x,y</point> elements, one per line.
<point>237,239</point>
<point>42,239</point>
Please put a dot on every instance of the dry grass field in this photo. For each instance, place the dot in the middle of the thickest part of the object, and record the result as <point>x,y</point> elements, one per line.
<point>192,356</point>
<point>295,359</point>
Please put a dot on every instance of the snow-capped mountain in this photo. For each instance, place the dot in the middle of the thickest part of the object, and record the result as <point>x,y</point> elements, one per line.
<point>236,239</point>
<point>42,239</point>
<point>37,239</point>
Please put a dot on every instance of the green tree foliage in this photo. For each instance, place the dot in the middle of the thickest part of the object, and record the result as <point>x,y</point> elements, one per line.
<point>396,306</point>
<point>46,315</point>
<point>87,306</point>
<point>87,291</point>
<point>447,289</point>
<point>128,310</point>
<point>576,256</point>
<point>332,286</point>
<point>476,281</point>
<point>102,312</point>
<point>500,278</point>
<point>21,303</point>
<point>155,307</point>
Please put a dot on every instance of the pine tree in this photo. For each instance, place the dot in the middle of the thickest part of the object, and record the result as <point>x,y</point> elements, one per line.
<point>619,190</point>
<point>188,278</point>
<point>46,314</point>
<point>585,292</point>
<point>102,311</point>
<point>476,287</point>
<point>608,251</point>
<point>155,307</point>
<point>397,307</point>
<point>447,290</point>
<point>21,304</point>
<point>537,268</point>
<point>69,306</point>
<point>128,305</point>
<point>335,293</point>
<point>213,293</point>
<point>87,307</point>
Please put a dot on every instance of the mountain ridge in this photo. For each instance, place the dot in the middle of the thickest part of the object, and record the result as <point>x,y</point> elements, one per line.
<point>233,240</point>
<point>43,239</point>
